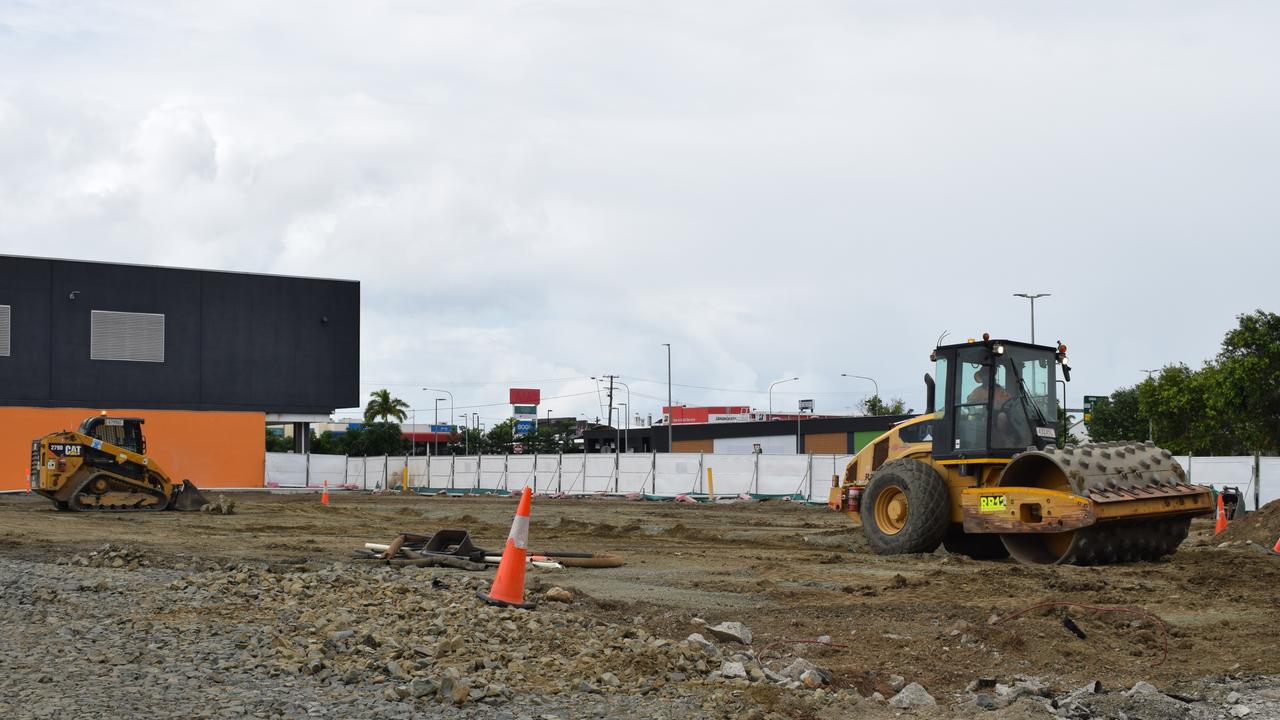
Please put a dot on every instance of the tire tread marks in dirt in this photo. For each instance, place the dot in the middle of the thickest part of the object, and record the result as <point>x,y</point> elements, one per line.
<point>928,508</point>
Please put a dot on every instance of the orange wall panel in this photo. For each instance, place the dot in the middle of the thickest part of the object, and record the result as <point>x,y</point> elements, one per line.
<point>212,449</point>
<point>691,446</point>
<point>827,443</point>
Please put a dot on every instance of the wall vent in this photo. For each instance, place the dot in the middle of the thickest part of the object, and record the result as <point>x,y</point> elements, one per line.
<point>4,330</point>
<point>138,337</point>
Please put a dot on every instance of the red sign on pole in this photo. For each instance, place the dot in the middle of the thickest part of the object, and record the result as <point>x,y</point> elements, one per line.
<point>526,396</point>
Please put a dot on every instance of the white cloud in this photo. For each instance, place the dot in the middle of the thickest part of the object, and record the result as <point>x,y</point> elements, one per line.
<point>549,190</point>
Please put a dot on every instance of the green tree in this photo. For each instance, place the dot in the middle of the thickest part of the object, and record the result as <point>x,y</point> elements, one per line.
<point>329,443</point>
<point>278,443</point>
<point>875,406</point>
<point>1246,392</point>
<point>382,405</point>
<point>1119,417</point>
<point>377,438</point>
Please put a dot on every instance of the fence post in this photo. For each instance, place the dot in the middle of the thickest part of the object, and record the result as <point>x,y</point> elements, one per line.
<point>809,497</point>
<point>757,474</point>
<point>701,488</point>
<point>559,472</point>
<point>654,470</point>
<point>346,466</point>
<point>505,459</point>
<point>307,470</point>
<point>386,478</point>
<point>1257,480</point>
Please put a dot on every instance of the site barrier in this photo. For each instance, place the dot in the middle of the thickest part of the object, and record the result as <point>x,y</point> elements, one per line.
<point>660,475</point>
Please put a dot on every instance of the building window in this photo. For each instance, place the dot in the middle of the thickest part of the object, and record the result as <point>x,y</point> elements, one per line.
<point>138,337</point>
<point>4,331</point>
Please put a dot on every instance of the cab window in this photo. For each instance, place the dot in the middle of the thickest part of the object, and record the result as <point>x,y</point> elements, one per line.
<point>972,394</point>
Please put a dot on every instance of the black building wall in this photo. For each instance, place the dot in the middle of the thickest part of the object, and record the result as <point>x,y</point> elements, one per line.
<point>232,341</point>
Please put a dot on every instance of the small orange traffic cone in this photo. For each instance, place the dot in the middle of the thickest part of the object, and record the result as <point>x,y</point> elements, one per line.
<point>1276,550</point>
<point>324,494</point>
<point>1221,524</point>
<point>508,583</point>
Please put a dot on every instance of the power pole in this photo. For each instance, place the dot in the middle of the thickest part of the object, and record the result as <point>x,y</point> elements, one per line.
<point>611,379</point>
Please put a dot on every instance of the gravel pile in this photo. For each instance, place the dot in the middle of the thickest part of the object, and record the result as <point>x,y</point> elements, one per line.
<point>109,556</point>
<point>108,635</point>
<point>94,639</point>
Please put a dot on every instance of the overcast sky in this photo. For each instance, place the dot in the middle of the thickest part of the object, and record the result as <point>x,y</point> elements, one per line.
<point>530,192</point>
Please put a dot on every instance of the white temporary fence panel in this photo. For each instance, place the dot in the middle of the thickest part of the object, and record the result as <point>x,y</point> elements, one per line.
<point>783,475</point>
<point>286,470</point>
<point>493,472</point>
<point>520,472</point>
<point>679,473</point>
<point>660,474</point>
<point>1237,472</point>
<point>598,474</point>
<point>466,473</point>
<point>635,473</point>
<point>331,469</point>
<point>545,473</point>
<point>571,473</point>
<point>732,474</point>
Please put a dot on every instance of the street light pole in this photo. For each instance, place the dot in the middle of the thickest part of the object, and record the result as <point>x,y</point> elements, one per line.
<point>671,411</point>
<point>435,438</point>
<point>413,433</point>
<point>446,392</point>
<point>466,440</point>
<point>626,427</point>
<point>778,382</point>
<point>1032,297</point>
<point>864,377</point>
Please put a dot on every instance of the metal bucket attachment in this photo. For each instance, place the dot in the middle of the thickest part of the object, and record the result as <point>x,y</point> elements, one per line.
<point>187,498</point>
<point>453,542</point>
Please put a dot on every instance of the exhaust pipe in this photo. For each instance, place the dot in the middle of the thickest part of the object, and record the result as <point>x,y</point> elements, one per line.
<point>929,409</point>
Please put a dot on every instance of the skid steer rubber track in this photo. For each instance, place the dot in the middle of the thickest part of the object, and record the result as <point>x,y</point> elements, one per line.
<point>116,495</point>
<point>1106,473</point>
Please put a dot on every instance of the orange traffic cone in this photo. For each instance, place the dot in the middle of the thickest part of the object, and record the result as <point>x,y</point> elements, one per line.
<point>1276,550</point>
<point>508,583</point>
<point>1221,524</point>
<point>324,494</point>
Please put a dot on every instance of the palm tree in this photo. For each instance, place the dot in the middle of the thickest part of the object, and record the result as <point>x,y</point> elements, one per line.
<point>382,405</point>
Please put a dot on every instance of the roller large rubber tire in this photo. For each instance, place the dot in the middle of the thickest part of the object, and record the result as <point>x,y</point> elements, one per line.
<point>928,508</point>
<point>979,546</point>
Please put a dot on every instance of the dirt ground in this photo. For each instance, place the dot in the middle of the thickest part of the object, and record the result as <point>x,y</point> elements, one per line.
<point>788,572</point>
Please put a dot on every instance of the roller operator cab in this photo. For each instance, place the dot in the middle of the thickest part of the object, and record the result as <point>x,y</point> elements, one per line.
<point>998,398</point>
<point>981,472</point>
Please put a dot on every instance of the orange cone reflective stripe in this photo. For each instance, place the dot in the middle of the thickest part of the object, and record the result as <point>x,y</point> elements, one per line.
<point>324,495</point>
<point>508,583</point>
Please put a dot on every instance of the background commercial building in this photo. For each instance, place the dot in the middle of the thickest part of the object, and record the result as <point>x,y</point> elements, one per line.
<point>826,435</point>
<point>206,358</point>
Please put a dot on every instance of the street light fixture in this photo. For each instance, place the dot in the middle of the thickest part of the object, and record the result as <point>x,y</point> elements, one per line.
<point>864,377</point>
<point>1032,297</point>
<point>778,382</point>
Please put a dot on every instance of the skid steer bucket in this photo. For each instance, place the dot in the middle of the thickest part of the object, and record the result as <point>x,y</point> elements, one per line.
<point>187,498</point>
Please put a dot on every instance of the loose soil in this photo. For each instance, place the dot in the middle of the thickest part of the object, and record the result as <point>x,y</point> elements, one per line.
<point>787,571</point>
